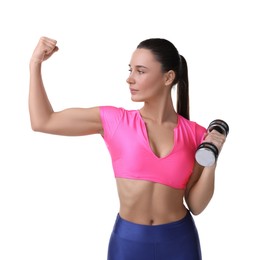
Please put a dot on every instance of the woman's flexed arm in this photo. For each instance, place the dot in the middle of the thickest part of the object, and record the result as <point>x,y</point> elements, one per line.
<point>73,121</point>
<point>200,188</point>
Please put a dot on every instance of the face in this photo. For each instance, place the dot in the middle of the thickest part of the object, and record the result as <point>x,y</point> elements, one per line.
<point>146,79</point>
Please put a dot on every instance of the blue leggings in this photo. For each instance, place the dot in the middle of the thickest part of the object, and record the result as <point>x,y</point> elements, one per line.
<point>173,241</point>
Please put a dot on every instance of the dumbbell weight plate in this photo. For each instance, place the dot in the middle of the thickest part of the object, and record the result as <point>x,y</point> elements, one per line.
<point>206,154</point>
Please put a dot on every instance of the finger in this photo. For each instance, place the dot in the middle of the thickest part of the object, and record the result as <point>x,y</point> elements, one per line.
<point>216,138</point>
<point>46,39</point>
<point>48,42</point>
<point>50,47</point>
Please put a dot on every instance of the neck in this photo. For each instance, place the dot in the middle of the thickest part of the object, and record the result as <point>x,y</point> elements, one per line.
<point>160,111</point>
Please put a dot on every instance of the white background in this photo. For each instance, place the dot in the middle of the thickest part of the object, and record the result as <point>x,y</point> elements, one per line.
<point>58,196</point>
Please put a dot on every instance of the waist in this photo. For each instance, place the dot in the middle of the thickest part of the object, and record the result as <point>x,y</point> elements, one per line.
<point>153,233</point>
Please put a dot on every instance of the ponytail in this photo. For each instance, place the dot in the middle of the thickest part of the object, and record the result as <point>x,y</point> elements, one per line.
<point>183,89</point>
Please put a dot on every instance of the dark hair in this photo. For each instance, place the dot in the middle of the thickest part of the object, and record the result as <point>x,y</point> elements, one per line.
<point>167,54</point>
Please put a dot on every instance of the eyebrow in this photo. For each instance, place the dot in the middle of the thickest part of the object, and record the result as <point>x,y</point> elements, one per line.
<point>139,66</point>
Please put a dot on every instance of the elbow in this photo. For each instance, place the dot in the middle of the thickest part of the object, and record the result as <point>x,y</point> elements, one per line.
<point>36,127</point>
<point>197,202</point>
<point>39,124</point>
<point>197,211</point>
<point>198,208</point>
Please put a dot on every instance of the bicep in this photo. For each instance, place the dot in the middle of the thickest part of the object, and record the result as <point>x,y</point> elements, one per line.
<point>75,122</point>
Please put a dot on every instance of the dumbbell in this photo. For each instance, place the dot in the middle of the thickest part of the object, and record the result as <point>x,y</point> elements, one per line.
<point>207,153</point>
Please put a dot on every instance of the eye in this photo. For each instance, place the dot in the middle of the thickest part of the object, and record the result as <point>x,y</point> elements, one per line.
<point>140,71</point>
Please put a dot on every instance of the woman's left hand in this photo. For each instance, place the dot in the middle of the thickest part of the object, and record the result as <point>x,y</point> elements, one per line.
<point>215,138</point>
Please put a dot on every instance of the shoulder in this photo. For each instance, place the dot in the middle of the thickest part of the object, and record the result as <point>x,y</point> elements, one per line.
<point>191,124</point>
<point>113,111</point>
<point>113,115</point>
<point>192,127</point>
<point>110,111</point>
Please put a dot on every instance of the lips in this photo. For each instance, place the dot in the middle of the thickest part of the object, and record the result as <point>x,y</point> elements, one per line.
<point>133,91</point>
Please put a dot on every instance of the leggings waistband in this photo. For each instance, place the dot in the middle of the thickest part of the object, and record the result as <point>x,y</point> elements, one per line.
<point>152,234</point>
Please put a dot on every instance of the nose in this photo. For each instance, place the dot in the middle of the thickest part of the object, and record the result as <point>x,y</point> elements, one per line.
<point>130,80</point>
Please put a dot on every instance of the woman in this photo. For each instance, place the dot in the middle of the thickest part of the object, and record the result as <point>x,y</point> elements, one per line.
<point>160,185</point>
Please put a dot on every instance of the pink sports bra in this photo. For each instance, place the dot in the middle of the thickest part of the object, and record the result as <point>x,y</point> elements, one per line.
<point>125,135</point>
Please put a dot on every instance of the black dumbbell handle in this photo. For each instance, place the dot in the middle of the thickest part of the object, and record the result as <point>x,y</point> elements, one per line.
<point>220,126</point>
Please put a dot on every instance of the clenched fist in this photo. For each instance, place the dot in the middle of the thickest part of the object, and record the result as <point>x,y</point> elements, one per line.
<point>44,50</point>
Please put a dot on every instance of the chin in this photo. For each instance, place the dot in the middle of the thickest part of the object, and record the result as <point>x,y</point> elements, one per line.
<point>136,99</point>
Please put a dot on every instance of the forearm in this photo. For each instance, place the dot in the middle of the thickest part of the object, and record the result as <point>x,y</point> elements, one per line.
<point>40,108</point>
<point>202,191</point>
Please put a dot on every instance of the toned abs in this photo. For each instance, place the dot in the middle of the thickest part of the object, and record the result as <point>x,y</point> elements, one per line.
<point>148,203</point>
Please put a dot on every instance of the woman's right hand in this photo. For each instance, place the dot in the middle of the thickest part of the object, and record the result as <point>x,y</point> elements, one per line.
<point>45,48</point>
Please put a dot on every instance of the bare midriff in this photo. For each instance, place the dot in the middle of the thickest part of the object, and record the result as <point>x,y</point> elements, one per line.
<point>149,203</point>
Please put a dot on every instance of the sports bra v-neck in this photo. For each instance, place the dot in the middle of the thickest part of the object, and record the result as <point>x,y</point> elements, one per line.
<point>126,137</point>
<point>147,137</point>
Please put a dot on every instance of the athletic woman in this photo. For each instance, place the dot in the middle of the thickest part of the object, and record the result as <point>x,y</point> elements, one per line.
<point>160,185</point>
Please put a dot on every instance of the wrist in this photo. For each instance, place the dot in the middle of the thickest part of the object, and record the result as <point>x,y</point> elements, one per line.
<point>34,60</point>
<point>35,63</point>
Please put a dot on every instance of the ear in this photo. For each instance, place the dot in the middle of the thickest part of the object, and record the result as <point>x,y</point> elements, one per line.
<point>170,77</point>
